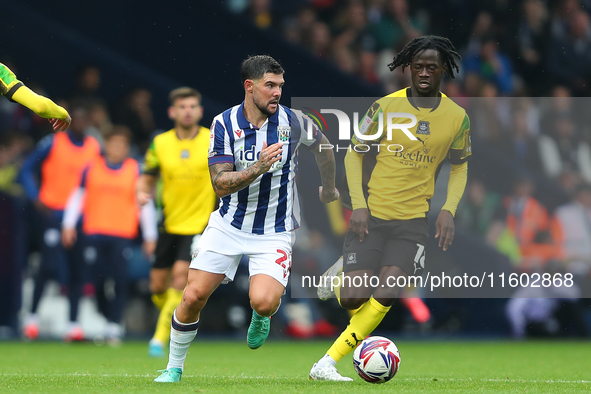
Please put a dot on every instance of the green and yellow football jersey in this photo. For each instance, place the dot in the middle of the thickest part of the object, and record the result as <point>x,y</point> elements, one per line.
<point>187,195</point>
<point>8,82</point>
<point>399,179</point>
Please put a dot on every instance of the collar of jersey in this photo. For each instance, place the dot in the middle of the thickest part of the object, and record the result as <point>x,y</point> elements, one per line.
<point>245,124</point>
<point>412,102</point>
<point>78,141</point>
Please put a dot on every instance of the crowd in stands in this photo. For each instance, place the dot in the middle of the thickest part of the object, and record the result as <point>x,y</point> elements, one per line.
<point>513,52</point>
<point>523,47</point>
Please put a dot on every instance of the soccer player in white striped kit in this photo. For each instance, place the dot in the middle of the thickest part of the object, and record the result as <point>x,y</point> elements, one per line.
<point>253,162</point>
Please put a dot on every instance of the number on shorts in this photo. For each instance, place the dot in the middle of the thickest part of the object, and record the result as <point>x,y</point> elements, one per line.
<point>420,257</point>
<point>284,261</point>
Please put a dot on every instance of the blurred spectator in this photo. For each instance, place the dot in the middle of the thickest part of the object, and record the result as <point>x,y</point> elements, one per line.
<point>561,104</point>
<point>320,40</point>
<point>569,180</point>
<point>393,26</point>
<point>492,66</point>
<point>345,60</point>
<point>453,90</point>
<point>561,13</point>
<point>134,111</point>
<point>492,119</point>
<point>300,28</point>
<point>12,145</point>
<point>483,27</point>
<point>260,12</point>
<point>525,143</point>
<point>538,234</point>
<point>564,150</point>
<point>99,122</point>
<point>352,37</point>
<point>350,27</point>
<point>86,90</point>
<point>569,55</point>
<point>482,213</point>
<point>59,159</point>
<point>532,35</point>
<point>479,208</point>
<point>473,85</point>
<point>575,220</point>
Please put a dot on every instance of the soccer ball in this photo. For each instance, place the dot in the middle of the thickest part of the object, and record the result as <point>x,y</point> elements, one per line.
<point>376,359</point>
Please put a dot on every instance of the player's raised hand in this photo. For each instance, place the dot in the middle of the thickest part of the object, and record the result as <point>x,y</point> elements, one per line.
<point>358,222</point>
<point>445,229</point>
<point>327,195</point>
<point>60,124</point>
<point>269,155</point>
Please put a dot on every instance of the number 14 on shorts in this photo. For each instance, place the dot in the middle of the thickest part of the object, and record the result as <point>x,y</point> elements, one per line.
<point>420,258</point>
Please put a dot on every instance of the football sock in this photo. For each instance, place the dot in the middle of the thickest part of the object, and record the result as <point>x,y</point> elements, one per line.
<point>360,326</point>
<point>181,335</point>
<point>159,300</point>
<point>33,318</point>
<point>173,299</point>
<point>351,311</point>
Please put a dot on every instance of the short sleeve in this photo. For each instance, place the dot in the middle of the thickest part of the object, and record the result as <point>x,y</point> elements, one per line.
<point>8,82</point>
<point>151,164</point>
<point>220,149</point>
<point>461,147</point>
<point>369,123</point>
<point>308,139</point>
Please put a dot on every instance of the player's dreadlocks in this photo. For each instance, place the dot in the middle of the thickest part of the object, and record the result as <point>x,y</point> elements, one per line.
<point>446,50</point>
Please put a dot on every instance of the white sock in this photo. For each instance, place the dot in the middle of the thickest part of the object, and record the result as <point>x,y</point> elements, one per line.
<point>326,361</point>
<point>181,336</point>
<point>33,318</point>
<point>114,330</point>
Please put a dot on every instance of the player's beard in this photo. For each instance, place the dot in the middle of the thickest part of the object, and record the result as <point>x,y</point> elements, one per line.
<point>264,108</point>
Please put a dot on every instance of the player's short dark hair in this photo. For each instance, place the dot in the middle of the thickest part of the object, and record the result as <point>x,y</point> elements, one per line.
<point>255,67</point>
<point>446,50</point>
<point>119,130</point>
<point>183,92</point>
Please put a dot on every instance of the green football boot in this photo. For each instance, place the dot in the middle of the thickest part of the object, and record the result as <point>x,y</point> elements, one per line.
<point>171,375</point>
<point>258,331</point>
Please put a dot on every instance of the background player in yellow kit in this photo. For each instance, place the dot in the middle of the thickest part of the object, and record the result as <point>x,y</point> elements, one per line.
<point>179,158</point>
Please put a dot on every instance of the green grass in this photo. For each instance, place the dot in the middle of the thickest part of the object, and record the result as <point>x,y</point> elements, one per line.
<point>282,367</point>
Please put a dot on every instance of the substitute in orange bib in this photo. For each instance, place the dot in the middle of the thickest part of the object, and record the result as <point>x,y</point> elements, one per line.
<point>106,199</point>
<point>57,162</point>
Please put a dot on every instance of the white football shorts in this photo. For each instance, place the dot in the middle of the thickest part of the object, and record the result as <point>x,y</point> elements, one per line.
<point>222,245</point>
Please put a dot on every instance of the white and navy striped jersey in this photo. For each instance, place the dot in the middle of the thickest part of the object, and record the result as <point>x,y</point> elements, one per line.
<point>270,204</point>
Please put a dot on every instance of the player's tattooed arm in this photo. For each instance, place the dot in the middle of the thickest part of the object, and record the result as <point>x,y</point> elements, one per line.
<point>227,181</point>
<point>327,166</point>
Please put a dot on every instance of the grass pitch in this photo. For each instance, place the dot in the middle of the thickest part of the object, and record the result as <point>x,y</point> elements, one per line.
<point>282,367</point>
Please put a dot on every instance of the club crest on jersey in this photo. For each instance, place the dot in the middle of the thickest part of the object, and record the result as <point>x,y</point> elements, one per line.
<point>185,154</point>
<point>423,128</point>
<point>283,133</point>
